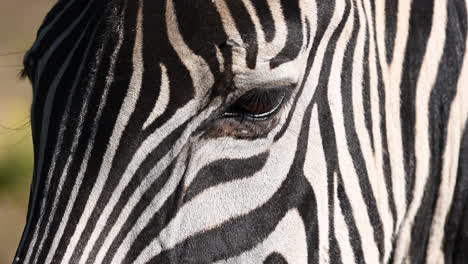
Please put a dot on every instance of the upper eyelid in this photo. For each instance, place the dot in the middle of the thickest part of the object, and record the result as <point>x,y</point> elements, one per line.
<point>283,92</point>
<point>287,89</point>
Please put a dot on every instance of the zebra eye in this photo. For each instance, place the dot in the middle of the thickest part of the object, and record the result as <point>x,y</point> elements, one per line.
<point>258,104</point>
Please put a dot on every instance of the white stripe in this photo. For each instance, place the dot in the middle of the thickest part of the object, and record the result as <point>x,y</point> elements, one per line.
<point>380,33</point>
<point>426,81</point>
<point>315,171</point>
<point>308,13</point>
<point>234,37</point>
<point>392,110</point>
<point>163,98</point>
<point>220,57</point>
<point>281,29</point>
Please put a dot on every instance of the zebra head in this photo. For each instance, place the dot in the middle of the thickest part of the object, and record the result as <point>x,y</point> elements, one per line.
<point>205,131</point>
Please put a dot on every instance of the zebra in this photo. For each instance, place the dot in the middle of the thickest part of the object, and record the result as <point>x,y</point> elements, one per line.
<point>266,131</point>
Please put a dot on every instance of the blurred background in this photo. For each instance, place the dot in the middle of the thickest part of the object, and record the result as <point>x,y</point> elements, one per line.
<point>19,21</point>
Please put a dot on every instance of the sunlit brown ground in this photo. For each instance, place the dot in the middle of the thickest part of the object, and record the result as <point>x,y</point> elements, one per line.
<point>19,20</point>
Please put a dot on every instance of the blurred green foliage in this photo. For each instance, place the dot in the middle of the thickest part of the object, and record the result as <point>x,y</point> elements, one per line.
<point>16,156</point>
<point>13,169</point>
<point>16,167</point>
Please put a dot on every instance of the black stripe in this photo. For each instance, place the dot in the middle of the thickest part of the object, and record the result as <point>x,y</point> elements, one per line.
<point>366,89</point>
<point>334,249</point>
<point>456,236</point>
<point>224,170</point>
<point>456,228</point>
<point>391,12</point>
<point>275,258</point>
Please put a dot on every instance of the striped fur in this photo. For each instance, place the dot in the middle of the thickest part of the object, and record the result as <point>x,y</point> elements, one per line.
<point>365,163</point>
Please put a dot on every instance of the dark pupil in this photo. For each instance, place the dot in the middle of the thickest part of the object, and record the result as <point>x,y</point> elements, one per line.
<point>256,103</point>
<point>256,108</point>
